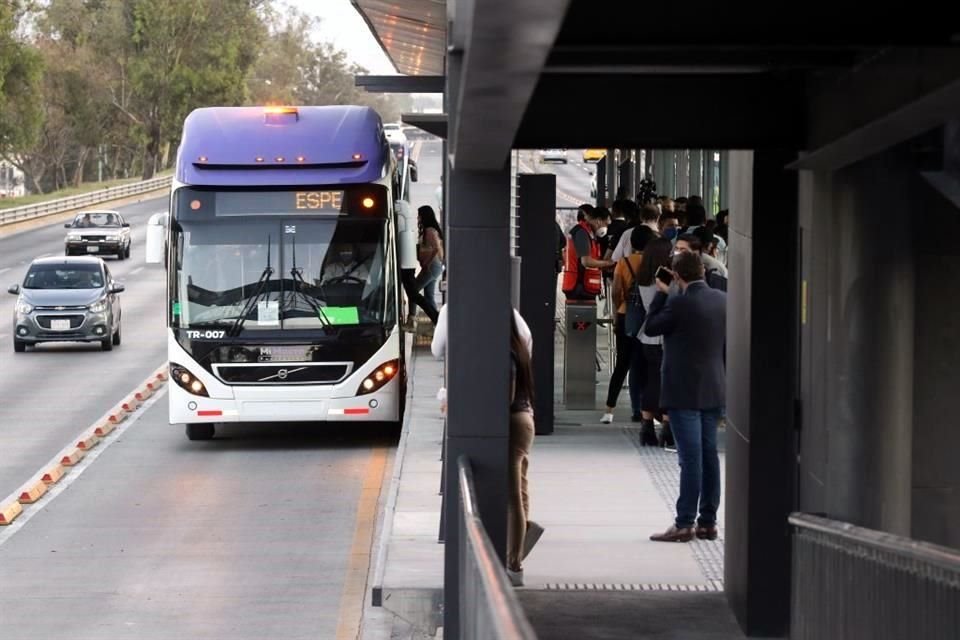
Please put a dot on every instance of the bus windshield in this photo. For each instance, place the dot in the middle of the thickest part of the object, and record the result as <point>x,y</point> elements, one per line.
<point>258,273</point>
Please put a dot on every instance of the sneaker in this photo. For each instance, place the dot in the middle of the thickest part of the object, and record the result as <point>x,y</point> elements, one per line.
<point>534,531</point>
<point>516,577</point>
<point>607,418</point>
<point>410,324</point>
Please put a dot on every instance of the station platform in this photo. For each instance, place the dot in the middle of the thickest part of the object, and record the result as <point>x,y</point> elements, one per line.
<point>598,494</point>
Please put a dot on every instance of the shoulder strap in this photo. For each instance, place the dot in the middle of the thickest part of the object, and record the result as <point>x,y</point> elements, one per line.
<point>633,274</point>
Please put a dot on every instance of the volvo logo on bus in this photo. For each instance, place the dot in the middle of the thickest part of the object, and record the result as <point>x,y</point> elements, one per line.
<point>281,374</point>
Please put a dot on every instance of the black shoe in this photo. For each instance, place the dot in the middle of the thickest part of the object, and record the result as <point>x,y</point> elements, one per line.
<point>648,434</point>
<point>666,437</point>
<point>636,418</point>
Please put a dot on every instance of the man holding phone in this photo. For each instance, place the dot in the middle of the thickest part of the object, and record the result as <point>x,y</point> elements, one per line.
<point>693,389</point>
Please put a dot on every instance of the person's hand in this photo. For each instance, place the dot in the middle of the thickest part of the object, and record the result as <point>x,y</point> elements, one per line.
<point>663,286</point>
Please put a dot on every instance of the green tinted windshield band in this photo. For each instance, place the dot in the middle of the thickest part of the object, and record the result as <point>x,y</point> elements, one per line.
<point>342,315</point>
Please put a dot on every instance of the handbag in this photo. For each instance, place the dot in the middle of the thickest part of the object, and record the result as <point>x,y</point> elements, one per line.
<point>636,312</point>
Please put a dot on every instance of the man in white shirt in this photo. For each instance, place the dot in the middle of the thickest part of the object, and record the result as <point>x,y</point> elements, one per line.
<point>649,215</point>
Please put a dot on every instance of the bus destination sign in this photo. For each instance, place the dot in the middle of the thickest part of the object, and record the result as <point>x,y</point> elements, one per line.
<point>326,201</point>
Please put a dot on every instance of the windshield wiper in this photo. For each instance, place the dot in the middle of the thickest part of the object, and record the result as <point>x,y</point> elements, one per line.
<point>298,280</point>
<point>252,301</point>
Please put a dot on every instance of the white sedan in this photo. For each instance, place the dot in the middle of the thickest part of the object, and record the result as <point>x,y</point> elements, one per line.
<point>553,155</point>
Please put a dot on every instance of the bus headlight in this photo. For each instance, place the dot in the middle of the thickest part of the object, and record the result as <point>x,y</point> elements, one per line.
<point>187,380</point>
<point>379,377</point>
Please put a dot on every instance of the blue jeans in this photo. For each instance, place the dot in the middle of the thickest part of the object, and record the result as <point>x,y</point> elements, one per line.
<point>427,281</point>
<point>695,432</point>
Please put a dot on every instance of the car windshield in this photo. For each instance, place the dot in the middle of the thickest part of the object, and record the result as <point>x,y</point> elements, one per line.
<point>92,220</point>
<point>64,276</point>
<point>295,274</point>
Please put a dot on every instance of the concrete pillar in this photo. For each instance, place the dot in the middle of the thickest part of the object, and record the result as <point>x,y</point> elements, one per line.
<point>762,385</point>
<point>538,285</point>
<point>478,359</point>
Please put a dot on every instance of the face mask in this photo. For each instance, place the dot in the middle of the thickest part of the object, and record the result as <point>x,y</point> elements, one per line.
<point>602,231</point>
<point>670,233</point>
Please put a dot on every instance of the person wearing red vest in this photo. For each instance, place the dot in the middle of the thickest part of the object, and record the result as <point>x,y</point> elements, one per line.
<point>582,262</point>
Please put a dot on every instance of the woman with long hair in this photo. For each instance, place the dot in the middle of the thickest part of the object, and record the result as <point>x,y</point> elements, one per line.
<point>522,533</point>
<point>655,255</point>
<point>431,255</point>
<point>622,283</point>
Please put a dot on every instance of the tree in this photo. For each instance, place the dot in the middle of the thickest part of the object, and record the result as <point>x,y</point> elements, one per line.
<point>164,58</point>
<point>293,69</point>
<point>21,113</point>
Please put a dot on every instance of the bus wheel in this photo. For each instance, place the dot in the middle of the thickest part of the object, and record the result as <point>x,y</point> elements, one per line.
<point>201,431</point>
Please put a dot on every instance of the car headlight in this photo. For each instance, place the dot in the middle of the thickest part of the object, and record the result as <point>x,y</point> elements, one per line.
<point>113,238</point>
<point>379,377</point>
<point>24,308</point>
<point>99,306</point>
<point>73,237</point>
<point>187,380</point>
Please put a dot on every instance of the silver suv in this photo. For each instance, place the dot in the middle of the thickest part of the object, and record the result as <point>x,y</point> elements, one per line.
<point>67,299</point>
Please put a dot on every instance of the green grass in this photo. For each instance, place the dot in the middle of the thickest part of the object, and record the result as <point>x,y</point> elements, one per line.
<point>7,203</point>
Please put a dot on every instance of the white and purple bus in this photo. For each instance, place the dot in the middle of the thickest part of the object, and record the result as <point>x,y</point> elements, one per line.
<point>282,245</point>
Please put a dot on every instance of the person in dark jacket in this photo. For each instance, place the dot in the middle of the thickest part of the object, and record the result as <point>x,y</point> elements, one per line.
<point>693,390</point>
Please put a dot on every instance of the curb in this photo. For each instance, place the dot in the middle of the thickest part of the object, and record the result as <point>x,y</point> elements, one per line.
<point>12,506</point>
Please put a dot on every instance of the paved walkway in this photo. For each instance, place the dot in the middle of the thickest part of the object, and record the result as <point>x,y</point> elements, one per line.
<point>599,496</point>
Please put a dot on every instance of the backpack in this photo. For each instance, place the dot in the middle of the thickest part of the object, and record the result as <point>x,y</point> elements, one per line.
<point>636,312</point>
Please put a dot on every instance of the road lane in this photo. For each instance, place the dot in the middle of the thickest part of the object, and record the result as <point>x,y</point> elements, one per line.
<point>245,536</point>
<point>49,394</point>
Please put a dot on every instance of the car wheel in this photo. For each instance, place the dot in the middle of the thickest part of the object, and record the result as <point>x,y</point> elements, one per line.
<point>116,337</point>
<point>19,346</point>
<point>200,431</point>
<point>128,252</point>
<point>107,344</point>
<point>120,254</point>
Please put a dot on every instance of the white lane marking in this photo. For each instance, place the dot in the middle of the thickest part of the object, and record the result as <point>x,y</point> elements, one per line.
<point>5,269</point>
<point>135,271</point>
<point>73,472</point>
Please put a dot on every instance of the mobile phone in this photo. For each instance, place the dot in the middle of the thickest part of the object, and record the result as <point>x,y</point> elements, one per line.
<point>663,275</point>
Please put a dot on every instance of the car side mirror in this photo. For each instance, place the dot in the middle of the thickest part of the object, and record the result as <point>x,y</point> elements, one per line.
<point>14,289</point>
<point>117,287</point>
<point>68,225</point>
<point>126,224</point>
<point>413,171</point>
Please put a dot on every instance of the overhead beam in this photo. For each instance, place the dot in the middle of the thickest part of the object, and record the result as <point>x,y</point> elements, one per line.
<point>400,84</point>
<point>757,111</point>
<point>433,123</point>
<point>911,120</point>
<point>506,46</point>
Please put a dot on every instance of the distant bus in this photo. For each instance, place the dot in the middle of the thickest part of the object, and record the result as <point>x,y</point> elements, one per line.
<point>283,299</point>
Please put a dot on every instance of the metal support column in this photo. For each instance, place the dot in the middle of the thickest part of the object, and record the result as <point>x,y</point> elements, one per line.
<point>682,184</point>
<point>478,360</point>
<point>724,180</point>
<point>709,182</point>
<point>601,198</point>
<point>695,187</point>
<point>611,174</point>
<point>538,285</point>
<point>670,173</point>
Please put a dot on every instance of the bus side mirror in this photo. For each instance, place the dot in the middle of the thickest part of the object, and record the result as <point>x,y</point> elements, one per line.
<point>155,235</point>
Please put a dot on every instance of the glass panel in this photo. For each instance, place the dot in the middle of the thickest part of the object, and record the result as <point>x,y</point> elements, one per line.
<point>333,273</point>
<point>226,272</point>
